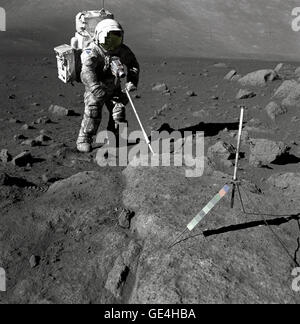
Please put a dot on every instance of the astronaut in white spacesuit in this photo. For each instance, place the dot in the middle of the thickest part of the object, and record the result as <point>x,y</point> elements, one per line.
<point>101,84</point>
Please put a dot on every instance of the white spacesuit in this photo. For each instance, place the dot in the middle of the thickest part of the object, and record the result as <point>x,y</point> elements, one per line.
<point>101,85</point>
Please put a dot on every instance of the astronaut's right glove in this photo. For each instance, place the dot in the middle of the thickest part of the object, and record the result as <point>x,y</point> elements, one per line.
<point>130,86</point>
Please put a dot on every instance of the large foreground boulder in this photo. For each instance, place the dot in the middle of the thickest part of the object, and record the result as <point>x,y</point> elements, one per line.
<point>229,267</point>
<point>84,256</point>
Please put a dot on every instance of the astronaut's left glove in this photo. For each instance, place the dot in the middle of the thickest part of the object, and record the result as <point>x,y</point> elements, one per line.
<point>99,92</point>
<point>129,86</point>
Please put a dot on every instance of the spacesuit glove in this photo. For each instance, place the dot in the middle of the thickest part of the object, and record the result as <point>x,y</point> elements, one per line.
<point>129,86</point>
<point>99,92</point>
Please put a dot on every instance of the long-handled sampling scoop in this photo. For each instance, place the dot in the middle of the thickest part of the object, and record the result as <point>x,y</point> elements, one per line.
<point>139,120</point>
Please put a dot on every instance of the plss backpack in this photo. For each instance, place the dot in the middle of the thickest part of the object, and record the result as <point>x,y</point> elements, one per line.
<point>69,56</point>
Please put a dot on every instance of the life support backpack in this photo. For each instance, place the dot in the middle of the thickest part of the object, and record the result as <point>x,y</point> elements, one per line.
<point>69,56</point>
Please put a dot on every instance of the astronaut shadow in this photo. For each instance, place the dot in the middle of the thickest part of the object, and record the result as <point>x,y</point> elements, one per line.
<point>209,129</point>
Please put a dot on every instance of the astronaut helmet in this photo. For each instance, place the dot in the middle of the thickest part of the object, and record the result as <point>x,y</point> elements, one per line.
<point>109,35</point>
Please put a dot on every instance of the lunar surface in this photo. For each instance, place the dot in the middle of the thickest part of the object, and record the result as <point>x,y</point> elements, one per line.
<point>72,231</point>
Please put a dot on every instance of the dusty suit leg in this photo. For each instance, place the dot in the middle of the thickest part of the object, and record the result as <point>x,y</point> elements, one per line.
<point>90,122</point>
<point>111,123</point>
<point>117,111</point>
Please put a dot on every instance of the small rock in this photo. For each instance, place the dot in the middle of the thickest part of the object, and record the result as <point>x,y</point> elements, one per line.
<point>220,65</point>
<point>46,178</point>
<point>160,87</point>
<point>278,67</point>
<point>12,96</point>
<point>5,157</point>
<point>258,78</point>
<point>14,121</point>
<point>274,110</point>
<point>221,151</point>
<point>236,77</point>
<point>230,75</point>
<point>60,111</point>
<point>20,137</point>
<point>31,142</point>
<point>45,132</point>
<point>245,94</point>
<point>123,264</point>
<point>125,217</point>
<point>34,261</point>
<point>200,114</point>
<point>295,119</point>
<point>43,120</point>
<point>22,159</point>
<point>165,92</point>
<point>27,127</point>
<point>117,277</point>
<point>191,93</point>
<point>158,112</point>
<point>43,138</point>
<point>165,107</point>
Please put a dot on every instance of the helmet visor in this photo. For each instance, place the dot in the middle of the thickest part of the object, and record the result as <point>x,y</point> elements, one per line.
<point>113,41</point>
